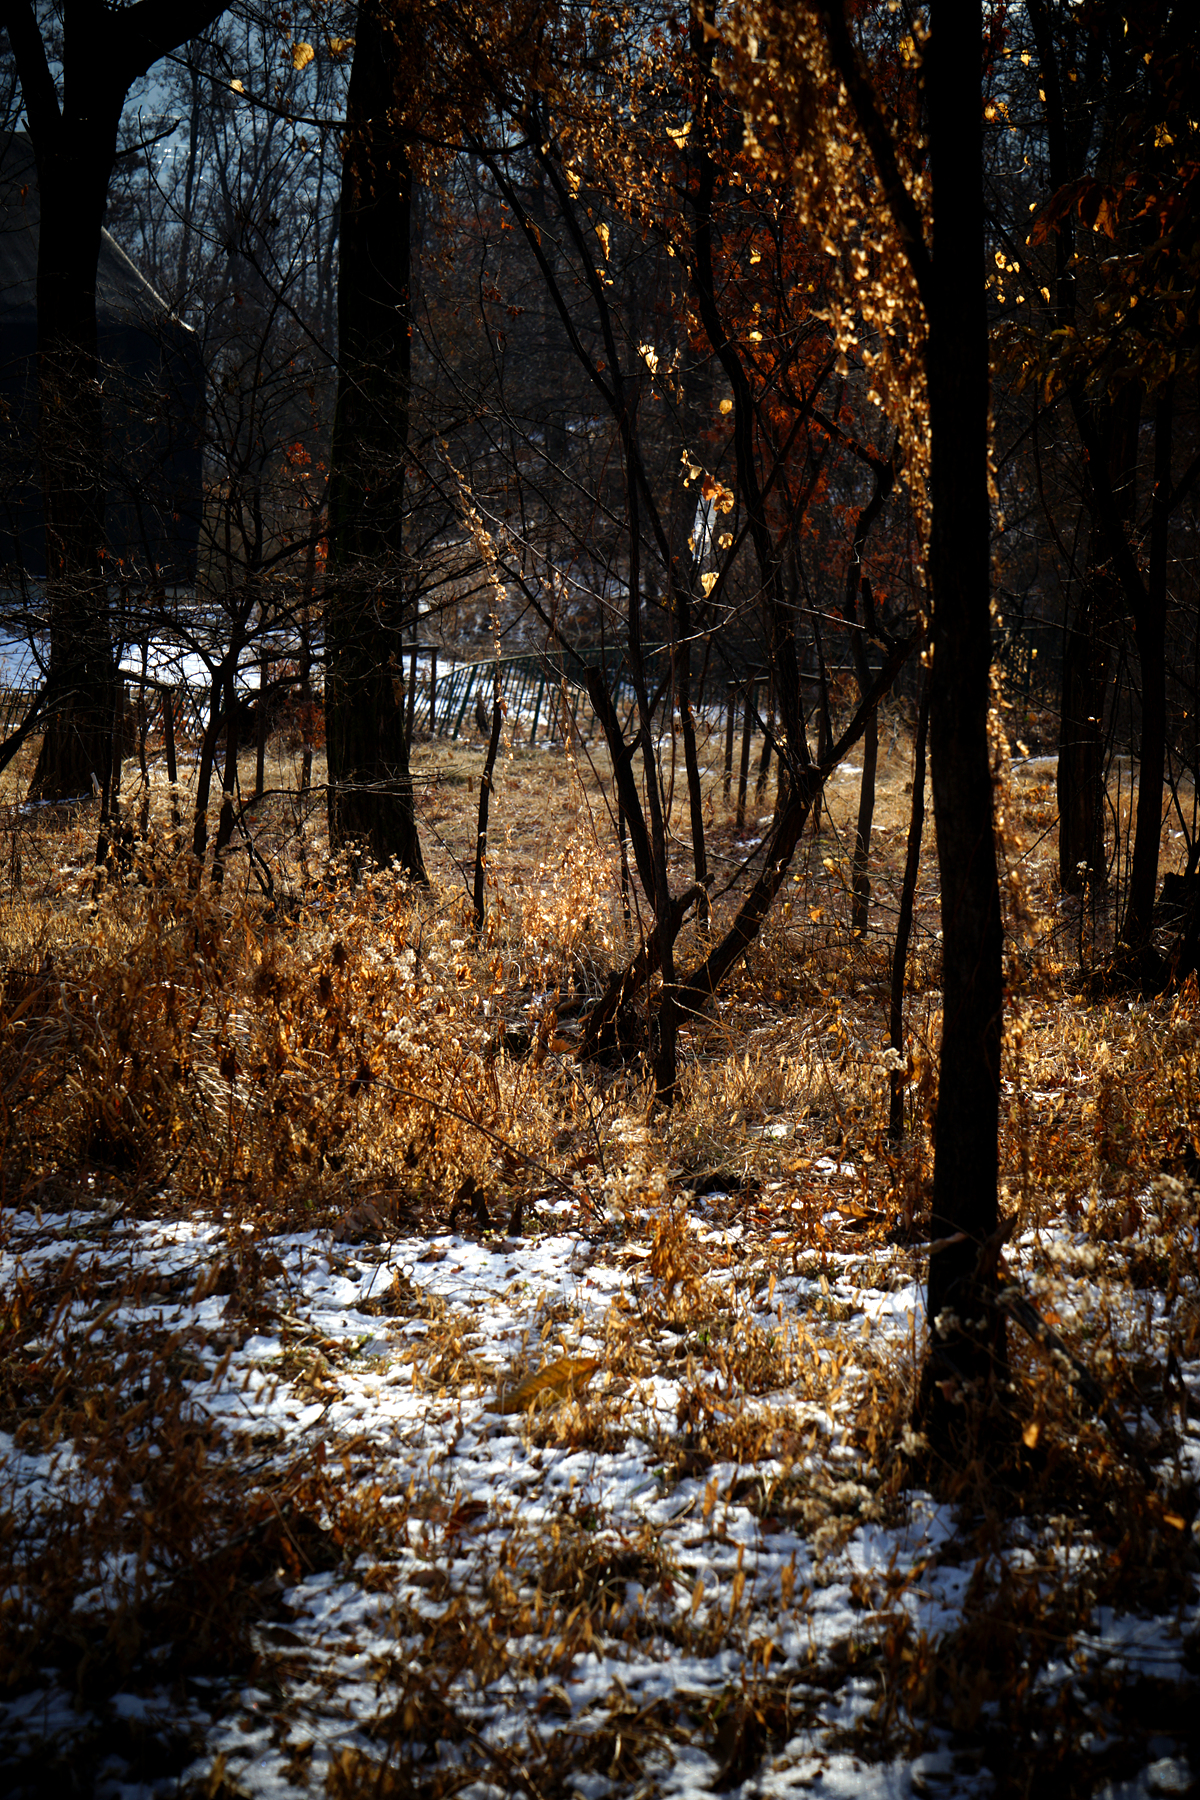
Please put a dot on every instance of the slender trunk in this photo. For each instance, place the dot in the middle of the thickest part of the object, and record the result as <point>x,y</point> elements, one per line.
<point>683,689</point>
<point>1152,656</point>
<point>744,765</point>
<point>260,729</point>
<point>1080,776</point>
<point>908,891</point>
<point>485,795</point>
<point>143,731</point>
<point>228,783</point>
<point>204,775</point>
<point>167,702</point>
<point>856,582</point>
<point>861,881</point>
<point>307,708</point>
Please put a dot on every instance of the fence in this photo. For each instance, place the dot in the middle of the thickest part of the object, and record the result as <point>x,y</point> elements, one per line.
<point>545,697</point>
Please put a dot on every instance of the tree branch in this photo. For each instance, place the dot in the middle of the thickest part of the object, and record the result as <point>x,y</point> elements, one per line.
<point>856,79</point>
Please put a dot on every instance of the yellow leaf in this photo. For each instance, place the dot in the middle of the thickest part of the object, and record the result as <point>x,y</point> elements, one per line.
<point>239,87</point>
<point>602,234</point>
<point>302,55</point>
<point>339,47</point>
<point>708,581</point>
<point>561,1380</point>
<point>1031,1434</point>
<point>727,406</point>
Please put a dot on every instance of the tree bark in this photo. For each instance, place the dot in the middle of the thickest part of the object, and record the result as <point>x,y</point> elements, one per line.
<point>908,893</point>
<point>963,1346</point>
<point>1152,656</point>
<point>104,50</point>
<point>485,796</point>
<point>73,174</point>
<point>860,908</point>
<point>366,605</point>
<point>1080,776</point>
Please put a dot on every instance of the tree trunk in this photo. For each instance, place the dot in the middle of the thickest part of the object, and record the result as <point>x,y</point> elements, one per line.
<point>963,1347</point>
<point>1080,780</point>
<point>485,796</point>
<point>370,789</point>
<point>104,50</point>
<point>908,893</point>
<point>860,911</point>
<point>1152,656</point>
<point>73,185</point>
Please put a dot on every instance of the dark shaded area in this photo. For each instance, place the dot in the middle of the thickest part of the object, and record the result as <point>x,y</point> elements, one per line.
<point>152,393</point>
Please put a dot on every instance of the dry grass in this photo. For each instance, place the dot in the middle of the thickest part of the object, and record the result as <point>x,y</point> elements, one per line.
<point>361,1061</point>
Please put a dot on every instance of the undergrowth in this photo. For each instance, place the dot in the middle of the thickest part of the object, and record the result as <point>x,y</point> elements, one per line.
<point>361,1064</point>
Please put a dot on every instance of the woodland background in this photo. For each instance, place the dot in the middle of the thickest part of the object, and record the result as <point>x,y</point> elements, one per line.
<point>635,445</point>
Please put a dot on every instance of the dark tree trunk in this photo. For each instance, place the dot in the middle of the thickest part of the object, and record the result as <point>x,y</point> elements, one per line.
<point>885,475</point>
<point>904,918</point>
<point>1080,780</point>
<point>1152,657</point>
<point>104,50</point>
<point>73,187</point>
<point>687,720</point>
<point>225,817</point>
<point>370,789</point>
<point>966,1155</point>
<point>860,912</point>
<point>485,796</point>
<point>1088,648</point>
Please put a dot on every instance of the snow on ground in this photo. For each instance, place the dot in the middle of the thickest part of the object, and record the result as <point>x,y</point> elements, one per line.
<point>735,1629</point>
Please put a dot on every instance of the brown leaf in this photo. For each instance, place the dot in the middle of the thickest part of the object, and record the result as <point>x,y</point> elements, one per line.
<point>553,1382</point>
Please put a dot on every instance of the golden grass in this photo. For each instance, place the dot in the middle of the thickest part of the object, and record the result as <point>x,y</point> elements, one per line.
<point>362,1059</point>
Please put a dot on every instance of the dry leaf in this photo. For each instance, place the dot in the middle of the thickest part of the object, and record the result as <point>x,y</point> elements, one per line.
<point>553,1382</point>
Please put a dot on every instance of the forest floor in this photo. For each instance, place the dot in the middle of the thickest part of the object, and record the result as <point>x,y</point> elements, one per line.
<point>390,1405</point>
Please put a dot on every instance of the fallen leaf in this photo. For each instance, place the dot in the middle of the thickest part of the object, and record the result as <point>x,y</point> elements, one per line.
<point>560,1380</point>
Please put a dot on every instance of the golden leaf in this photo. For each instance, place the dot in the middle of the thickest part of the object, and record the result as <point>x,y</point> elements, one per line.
<point>302,55</point>
<point>553,1382</point>
<point>1031,1434</point>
